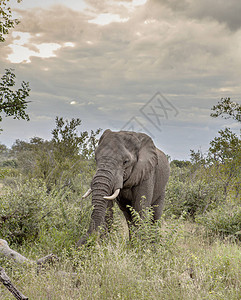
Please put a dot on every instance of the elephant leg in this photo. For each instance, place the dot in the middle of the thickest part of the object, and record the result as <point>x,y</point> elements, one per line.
<point>142,197</point>
<point>158,206</point>
<point>109,215</point>
<point>138,207</point>
<point>129,221</point>
<point>127,213</point>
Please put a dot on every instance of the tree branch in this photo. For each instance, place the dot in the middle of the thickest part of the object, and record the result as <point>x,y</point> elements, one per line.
<point>9,253</point>
<point>8,284</point>
<point>8,105</point>
<point>18,258</point>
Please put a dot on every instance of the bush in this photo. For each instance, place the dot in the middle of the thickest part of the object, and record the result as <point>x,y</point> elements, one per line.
<point>146,234</point>
<point>189,194</point>
<point>29,213</point>
<point>22,210</point>
<point>9,163</point>
<point>224,221</point>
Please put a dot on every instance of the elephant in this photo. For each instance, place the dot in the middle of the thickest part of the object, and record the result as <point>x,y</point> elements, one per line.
<point>129,166</point>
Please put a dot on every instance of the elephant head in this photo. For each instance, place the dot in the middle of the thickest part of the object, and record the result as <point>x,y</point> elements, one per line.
<point>124,160</point>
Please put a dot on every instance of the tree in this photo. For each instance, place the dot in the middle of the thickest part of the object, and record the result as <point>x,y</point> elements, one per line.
<point>225,150</point>
<point>224,156</point>
<point>13,103</point>
<point>180,163</point>
<point>226,147</point>
<point>6,20</point>
<point>222,162</point>
<point>57,161</point>
<point>67,141</point>
<point>227,109</point>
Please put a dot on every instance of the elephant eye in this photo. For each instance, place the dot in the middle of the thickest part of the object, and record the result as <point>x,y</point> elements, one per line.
<point>125,161</point>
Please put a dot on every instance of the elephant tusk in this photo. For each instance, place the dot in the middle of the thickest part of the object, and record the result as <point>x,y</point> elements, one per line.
<point>112,197</point>
<point>87,193</point>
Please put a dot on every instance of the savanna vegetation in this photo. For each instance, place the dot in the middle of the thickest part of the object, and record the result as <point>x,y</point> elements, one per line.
<point>193,252</point>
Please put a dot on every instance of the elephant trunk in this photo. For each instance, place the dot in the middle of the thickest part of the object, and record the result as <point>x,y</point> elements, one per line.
<point>105,181</point>
<point>101,186</point>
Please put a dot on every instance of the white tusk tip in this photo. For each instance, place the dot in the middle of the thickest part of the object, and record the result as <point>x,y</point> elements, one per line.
<point>87,194</point>
<point>112,197</point>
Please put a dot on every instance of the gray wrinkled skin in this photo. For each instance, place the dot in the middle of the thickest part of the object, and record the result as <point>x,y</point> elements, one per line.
<point>128,161</point>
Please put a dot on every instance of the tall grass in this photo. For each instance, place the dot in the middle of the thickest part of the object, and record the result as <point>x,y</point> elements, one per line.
<point>189,266</point>
<point>170,259</point>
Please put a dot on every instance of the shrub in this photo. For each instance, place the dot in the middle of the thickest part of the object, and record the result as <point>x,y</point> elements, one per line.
<point>189,194</point>
<point>22,210</point>
<point>223,221</point>
<point>146,234</point>
<point>30,213</point>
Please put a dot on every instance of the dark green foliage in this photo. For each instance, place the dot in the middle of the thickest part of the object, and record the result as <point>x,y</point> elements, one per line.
<point>224,221</point>
<point>225,148</point>
<point>59,160</point>
<point>225,157</point>
<point>6,20</point>
<point>65,137</point>
<point>28,213</point>
<point>3,150</point>
<point>13,103</point>
<point>67,141</point>
<point>190,193</point>
<point>5,159</point>
<point>197,158</point>
<point>180,163</point>
<point>22,211</point>
<point>227,108</point>
<point>11,163</point>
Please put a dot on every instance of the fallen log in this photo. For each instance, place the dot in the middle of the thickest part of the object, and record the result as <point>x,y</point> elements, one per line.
<point>48,259</point>
<point>8,284</point>
<point>9,253</point>
<point>18,258</point>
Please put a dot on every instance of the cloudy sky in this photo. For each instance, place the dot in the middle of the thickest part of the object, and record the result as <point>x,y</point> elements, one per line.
<point>156,66</point>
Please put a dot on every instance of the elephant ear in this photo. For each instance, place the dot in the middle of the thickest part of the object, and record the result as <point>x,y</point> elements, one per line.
<point>105,133</point>
<point>146,160</point>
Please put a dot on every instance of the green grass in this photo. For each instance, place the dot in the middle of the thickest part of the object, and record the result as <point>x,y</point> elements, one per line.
<point>116,269</point>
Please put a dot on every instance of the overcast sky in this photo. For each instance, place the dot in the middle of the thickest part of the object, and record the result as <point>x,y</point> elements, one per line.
<point>151,65</point>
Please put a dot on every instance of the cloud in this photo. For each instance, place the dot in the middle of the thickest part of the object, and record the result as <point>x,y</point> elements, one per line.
<point>106,18</point>
<point>112,6</point>
<point>105,74</point>
<point>153,47</point>
<point>22,54</point>
<point>58,23</point>
<point>227,12</point>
